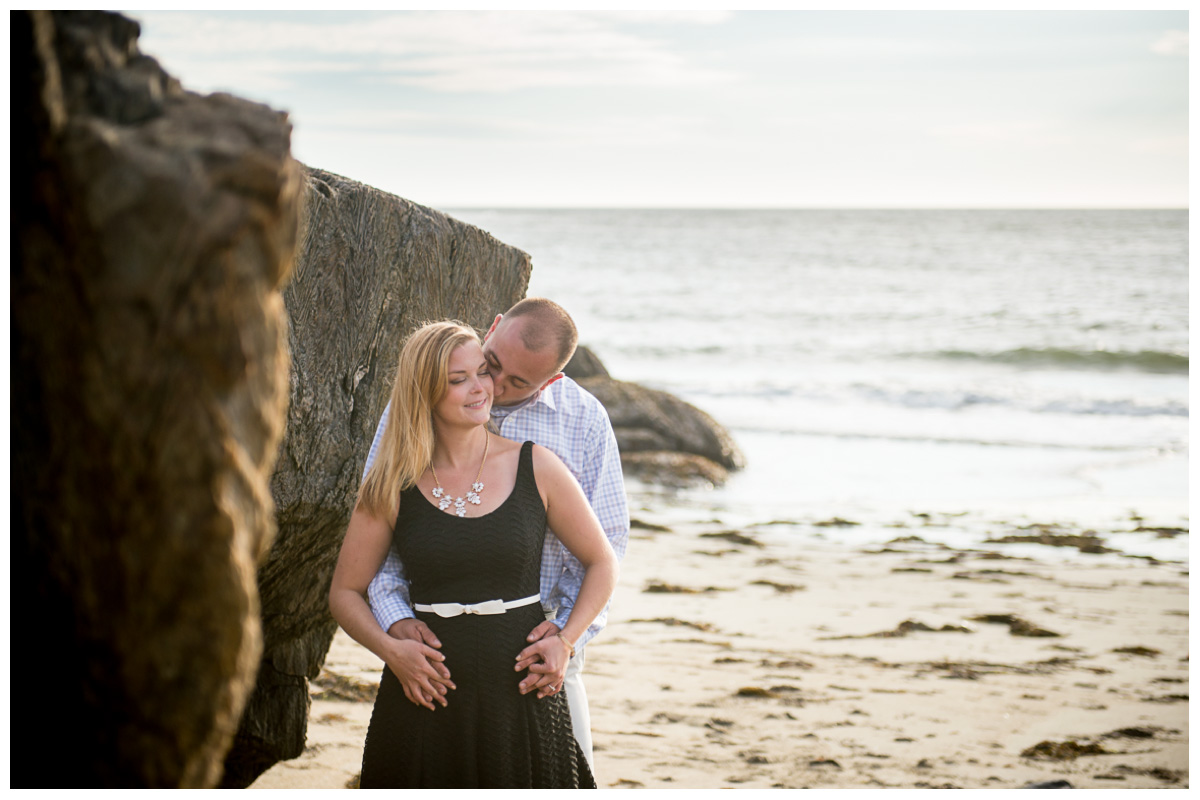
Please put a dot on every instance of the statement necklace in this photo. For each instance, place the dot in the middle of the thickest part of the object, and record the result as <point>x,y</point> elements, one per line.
<point>460,503</point>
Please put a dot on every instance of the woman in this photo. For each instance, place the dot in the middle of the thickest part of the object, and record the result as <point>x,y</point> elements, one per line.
<point>467,512</point>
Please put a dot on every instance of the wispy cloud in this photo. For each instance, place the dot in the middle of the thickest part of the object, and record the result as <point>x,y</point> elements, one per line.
<point>252,75</point>
<point>1162,145</point>
<point>447,52</point>
<point>1171,43</point>
<point>663,107</point>
<point>412,127</point>
<point>660,16</point>
<point>883,48</point>
<point>1009,132</point>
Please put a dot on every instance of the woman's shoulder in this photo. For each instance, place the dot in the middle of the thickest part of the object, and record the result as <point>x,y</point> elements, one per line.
<point>498,445</point>
<point>546,460</point>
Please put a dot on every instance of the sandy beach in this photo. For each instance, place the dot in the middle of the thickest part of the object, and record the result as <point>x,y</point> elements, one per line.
<point>758,658</point>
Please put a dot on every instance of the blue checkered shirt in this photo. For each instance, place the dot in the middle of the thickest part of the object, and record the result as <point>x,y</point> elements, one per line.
<point>574,425</point>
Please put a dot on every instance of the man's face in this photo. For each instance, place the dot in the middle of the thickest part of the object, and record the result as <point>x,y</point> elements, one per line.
<point>516,372</point>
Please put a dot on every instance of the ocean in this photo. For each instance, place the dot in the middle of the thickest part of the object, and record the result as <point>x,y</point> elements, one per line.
<point>998,366</point>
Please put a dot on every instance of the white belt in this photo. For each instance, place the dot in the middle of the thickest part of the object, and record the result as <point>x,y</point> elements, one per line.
<point>486,607</point>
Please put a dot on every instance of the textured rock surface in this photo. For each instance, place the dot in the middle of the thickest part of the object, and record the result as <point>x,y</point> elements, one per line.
<point>650,421</point>
<point>662,439</point>
<point>372,267</point>
<point>677,470</point>
<point>585,364</point>
<point>151,231</point>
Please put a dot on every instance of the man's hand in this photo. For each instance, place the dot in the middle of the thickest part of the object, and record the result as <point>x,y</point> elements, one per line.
<point>420,670</point>
<point>544,630</point>
<point>546,659</point>
<point>413,629</point>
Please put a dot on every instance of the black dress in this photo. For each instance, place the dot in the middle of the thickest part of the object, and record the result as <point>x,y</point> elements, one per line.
<point>490,735</point>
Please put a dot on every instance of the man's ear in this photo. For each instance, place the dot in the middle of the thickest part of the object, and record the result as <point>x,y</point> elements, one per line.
<point>552,380</point>
<point>490,330</point>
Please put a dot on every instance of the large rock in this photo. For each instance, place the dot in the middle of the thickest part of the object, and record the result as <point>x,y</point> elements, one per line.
<point>675,470</point>
<point>151,231</point>
<point>662,439</point>
<point>372,267</point>
<point>585,364</point>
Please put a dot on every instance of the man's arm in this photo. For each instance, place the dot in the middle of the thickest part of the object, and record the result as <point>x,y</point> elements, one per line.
<point>374,451</point>
<point>604,486</point>
<point>388,591</point>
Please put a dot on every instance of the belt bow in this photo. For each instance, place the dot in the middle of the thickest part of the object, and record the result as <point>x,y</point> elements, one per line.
<point>454,609</point>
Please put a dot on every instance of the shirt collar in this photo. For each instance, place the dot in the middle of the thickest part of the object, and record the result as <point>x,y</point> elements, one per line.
<point>541,396</point>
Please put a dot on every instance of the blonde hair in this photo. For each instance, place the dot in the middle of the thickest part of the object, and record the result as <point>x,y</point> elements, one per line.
<point>407,446</point>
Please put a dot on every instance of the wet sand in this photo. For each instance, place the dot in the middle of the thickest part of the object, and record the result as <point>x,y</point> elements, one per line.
<point>749,658</point>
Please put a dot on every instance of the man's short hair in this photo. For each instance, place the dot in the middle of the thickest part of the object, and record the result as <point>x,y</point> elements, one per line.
<point>553,327</point>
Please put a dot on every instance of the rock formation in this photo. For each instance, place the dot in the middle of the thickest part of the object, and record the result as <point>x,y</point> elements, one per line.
<point>371,268</point>
<point>662,439</point>
<point>152,526</point>
<point>585,364</point>
<point>151,231</point>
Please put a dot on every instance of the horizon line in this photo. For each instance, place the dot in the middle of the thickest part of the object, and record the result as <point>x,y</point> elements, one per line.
<point>495,207</point>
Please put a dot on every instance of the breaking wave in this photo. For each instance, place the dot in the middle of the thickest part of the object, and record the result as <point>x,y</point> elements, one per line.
<point>1140,361</point>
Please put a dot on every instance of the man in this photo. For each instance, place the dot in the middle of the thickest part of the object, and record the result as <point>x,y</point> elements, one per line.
<point>526,349</point>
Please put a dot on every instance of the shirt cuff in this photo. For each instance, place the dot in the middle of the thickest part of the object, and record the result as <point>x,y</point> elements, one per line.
<point>390,616</point>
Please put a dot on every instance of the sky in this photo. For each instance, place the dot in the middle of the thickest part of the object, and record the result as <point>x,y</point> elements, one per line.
<point>716,109</point>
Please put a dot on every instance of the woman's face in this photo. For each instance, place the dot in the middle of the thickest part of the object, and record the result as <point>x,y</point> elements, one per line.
<point>468,399</point>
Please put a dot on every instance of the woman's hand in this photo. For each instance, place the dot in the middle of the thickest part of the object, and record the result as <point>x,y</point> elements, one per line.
<point>418,666</point>
<point>420,670</point>
<point>546,659</point>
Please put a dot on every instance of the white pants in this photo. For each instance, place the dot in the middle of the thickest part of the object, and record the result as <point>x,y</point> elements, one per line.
<point>581,718</point>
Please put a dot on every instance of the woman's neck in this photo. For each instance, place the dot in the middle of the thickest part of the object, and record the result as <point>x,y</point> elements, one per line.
<point>458,448</point>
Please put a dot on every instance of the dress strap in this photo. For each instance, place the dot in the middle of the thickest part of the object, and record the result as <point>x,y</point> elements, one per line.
<point>525,476</point>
